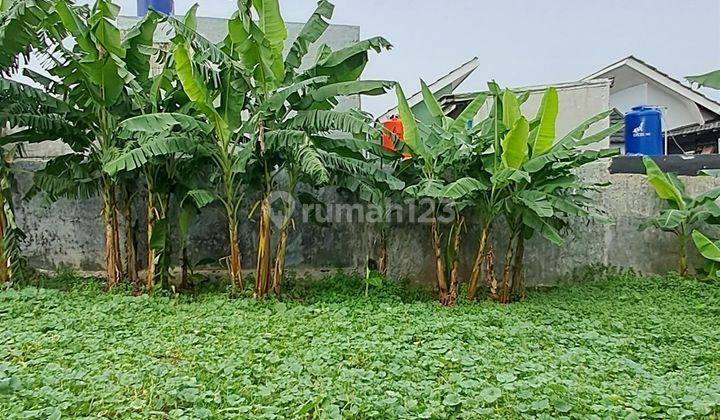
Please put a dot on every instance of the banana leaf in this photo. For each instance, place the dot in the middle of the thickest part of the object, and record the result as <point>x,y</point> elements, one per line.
<point>311,32</point>
<point>664,188</point>
<point>544,135</point>
<point>711,80</point>
<point>706,247</point>
<point>515,145</point>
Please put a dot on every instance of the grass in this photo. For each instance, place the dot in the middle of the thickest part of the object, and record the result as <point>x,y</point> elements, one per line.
<point>616,346</point>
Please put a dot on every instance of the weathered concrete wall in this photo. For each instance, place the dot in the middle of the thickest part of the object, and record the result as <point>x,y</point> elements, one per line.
<point>70,233</point>
<point>630,201</point>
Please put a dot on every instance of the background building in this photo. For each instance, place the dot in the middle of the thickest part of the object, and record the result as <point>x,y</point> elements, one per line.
<point>690,119</point>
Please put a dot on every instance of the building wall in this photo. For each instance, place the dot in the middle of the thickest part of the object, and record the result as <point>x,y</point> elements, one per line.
<point>577,103</point>
<point>624,100</point>
<point>679,112</point>
<point>632,88</point>
<point>421,111</point>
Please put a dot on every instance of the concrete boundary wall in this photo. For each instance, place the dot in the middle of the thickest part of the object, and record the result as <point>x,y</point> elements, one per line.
<point>69,233</point>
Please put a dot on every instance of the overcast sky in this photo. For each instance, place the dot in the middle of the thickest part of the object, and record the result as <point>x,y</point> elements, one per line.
<point>519,42</point>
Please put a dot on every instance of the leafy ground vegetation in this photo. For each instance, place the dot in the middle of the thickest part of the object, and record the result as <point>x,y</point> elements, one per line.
<point>615,346</point>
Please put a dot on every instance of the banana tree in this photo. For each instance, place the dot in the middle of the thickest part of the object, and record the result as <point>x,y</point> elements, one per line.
<point>20,21</point>
<point>346,161</point>
<point>12,262</point>
<point>533,174</point>
<point>485,141</point>
<point>95,74</point>
<point>684,215</point>
<point>158,144</point>
<point>261,124</point>
<point>486,144</point>
<point>381,194</point>
<point>168,163</point>
<point>440,149</point>
<point>27,115</point>
<point>196,194</point>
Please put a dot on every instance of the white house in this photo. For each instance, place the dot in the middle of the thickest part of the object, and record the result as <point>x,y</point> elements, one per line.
<point>691,119</point>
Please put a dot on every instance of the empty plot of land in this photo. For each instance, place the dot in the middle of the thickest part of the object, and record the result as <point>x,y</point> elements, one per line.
<point>612,347</point>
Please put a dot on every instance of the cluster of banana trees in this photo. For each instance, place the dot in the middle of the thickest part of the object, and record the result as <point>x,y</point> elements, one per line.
<point>181,126</point>
<point>218,122</point>
<point>509,168</point>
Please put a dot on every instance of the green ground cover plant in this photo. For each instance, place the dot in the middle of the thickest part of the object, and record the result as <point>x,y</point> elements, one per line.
<point>614,346</point>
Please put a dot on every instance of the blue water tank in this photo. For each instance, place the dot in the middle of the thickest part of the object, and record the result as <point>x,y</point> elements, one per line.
<point>165,7</point>
<point>643,132</point>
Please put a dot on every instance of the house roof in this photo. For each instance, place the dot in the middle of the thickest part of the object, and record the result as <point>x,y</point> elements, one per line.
<point>696,129</point>
<point>452,80</point>
<point>660,77</point>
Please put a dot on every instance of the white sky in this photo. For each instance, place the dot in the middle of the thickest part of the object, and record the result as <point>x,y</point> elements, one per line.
<point>519,42</point>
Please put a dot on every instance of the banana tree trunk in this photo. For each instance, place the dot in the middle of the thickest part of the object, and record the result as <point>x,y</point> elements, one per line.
<point>4,257</point>
<point>504,295</point>
<point>262,263</point>
<point>130,249</point>
<point>158,257</point>
<point>10,258</point>
<point>280,250</point>
<point>280,259</point>
<point>116,229</point>
<point>455,269</point>
<point>262,269</point>
<point>152,217</point>
<point>4,228</point>
<point>683,265</point>
<point>477,264</point>
<point>490,277</point>
<point>165,264</point>
<point>112,262</point>
<point>518,290</point>
<point>383,253</point>
<point>235,264</point>
<point>439,263</point>
<point>184,267</point>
